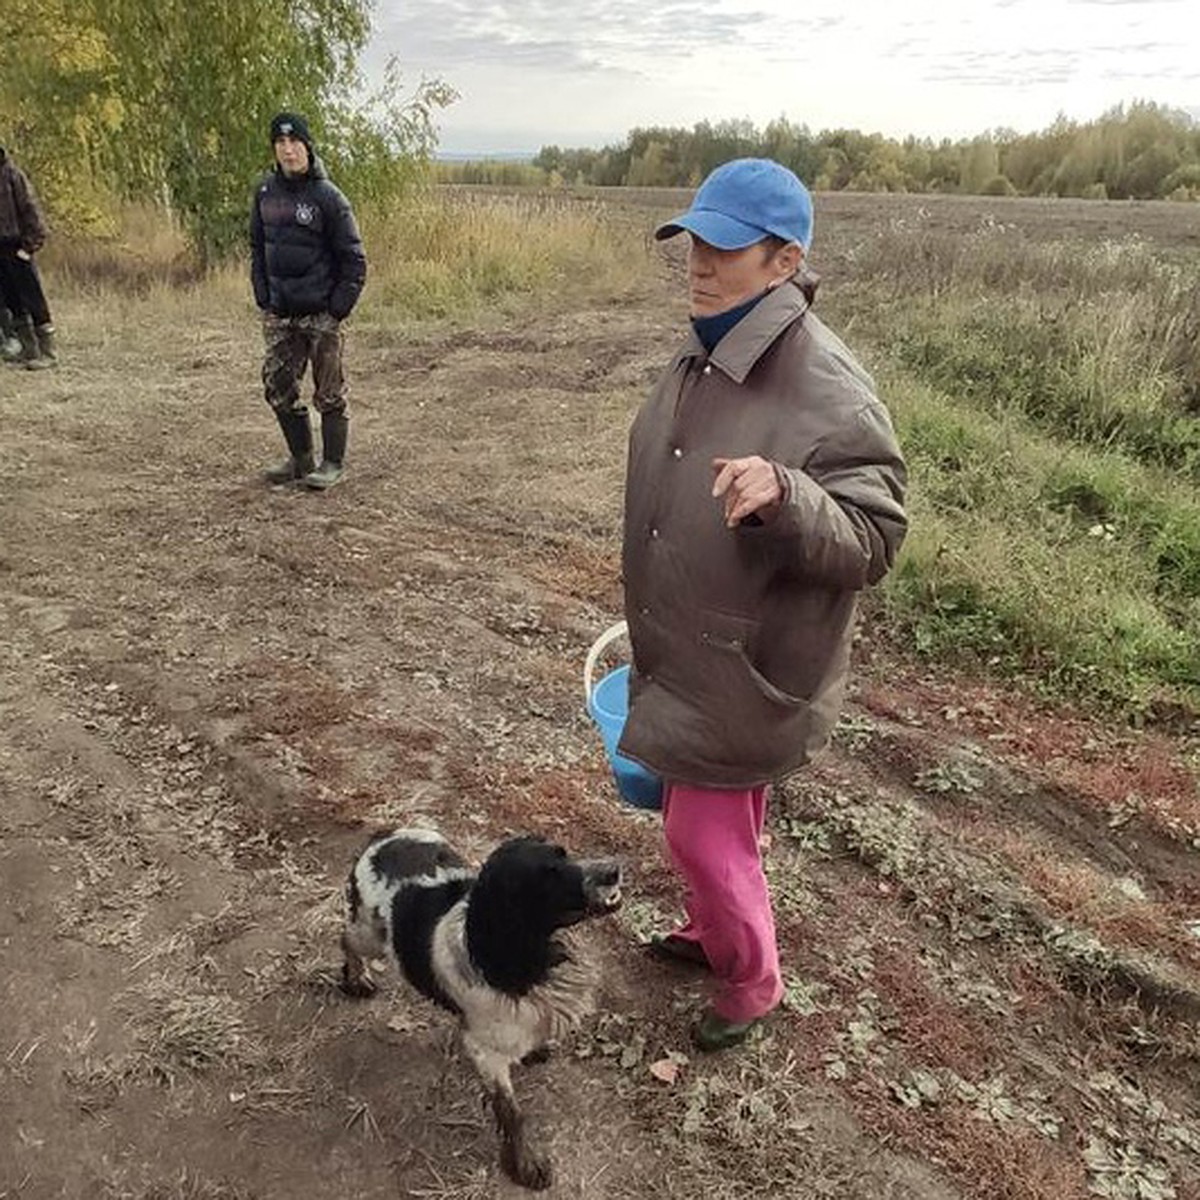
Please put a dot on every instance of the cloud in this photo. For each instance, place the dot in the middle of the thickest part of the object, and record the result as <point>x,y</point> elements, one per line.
<point>1031,66</point>
<point>539,71</point>
<point>588,35</point>
<point>991,71</point>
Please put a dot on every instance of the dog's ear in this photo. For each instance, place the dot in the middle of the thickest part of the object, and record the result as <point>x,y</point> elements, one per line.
<point>523,894</point>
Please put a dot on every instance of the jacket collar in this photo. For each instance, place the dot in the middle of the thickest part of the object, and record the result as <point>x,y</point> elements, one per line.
<point>316,170</point>
<point>737,352</point>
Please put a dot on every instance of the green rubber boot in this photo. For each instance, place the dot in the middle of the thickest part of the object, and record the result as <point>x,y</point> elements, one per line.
<point>714,1032</point>
<point>47,354</point>
<point>335,429</point>
<point>298,434</point>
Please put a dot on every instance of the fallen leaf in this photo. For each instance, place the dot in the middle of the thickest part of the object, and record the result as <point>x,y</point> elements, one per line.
<point>666,1069</point>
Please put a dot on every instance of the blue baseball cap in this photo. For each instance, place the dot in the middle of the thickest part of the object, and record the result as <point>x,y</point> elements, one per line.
<point>744,201</point>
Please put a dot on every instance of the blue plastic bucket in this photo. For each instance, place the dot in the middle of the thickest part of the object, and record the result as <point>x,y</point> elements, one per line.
<point>608,706</point>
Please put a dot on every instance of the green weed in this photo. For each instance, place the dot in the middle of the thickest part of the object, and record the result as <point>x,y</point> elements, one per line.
<point>1071,567</point>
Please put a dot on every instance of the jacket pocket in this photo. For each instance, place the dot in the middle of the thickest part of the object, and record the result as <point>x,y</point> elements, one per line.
<point>737,636</point>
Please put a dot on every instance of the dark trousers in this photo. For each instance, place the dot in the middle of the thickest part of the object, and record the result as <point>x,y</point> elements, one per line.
<point>291,343</point>
<point>21,288</point>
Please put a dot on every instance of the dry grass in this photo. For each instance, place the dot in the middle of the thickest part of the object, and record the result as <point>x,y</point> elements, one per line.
<point>1114,909</point>
<point>304,701</point>
<point>755,1116</point>
<point>186,1025</point>
<point>181,1029</point>
<point>146,254</point>
<point>444,254</point>
<point>998,1161</point>
<point>930,1027</point>
<point>1122,777</point>
<point>133,1184</point>
<point>1147,779</point>
<point>437,255</point>
<point>106,907</point>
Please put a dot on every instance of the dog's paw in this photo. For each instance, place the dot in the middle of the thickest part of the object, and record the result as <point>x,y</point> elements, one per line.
<point>530,1170</point>
<point>359,985</point>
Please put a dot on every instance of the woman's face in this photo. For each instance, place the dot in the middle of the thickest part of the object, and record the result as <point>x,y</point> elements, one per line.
<point>719,280</point>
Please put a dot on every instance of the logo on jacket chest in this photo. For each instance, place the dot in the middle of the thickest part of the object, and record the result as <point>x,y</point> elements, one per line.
<point>305,214</point>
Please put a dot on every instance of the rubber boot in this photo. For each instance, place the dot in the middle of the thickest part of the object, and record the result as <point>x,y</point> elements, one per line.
<point>28,343</point>
<point>298,434</point>
<point>335,429</point>
<point>43,336</point>
<point>10,345</point>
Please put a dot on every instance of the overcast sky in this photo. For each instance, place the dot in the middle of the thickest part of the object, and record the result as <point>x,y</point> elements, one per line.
<point>584,72</point>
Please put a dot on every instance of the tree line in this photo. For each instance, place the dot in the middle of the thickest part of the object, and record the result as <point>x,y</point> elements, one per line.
<point>169,101</point>
<point>1143,151</point>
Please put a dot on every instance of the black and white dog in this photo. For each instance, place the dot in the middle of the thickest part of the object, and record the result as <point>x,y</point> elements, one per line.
<point>488,945</point>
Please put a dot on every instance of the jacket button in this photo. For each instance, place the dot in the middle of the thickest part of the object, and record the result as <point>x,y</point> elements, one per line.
<point>644,610</point>
<point>708,368</point>
<point>677,452</point>
<point>654,533</point>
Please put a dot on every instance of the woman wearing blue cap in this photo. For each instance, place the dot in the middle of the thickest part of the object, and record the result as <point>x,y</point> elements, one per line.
<point>764,490</point>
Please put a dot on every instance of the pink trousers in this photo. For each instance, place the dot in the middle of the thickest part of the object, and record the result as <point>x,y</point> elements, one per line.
<point>713,838</point>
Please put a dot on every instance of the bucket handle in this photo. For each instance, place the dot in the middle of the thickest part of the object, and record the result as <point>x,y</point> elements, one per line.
<point>609,636</point>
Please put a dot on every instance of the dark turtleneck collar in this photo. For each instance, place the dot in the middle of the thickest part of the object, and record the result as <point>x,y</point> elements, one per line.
<point>710,330</point>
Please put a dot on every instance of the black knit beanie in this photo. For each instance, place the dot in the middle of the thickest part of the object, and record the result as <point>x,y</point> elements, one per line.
<point>293,125</point>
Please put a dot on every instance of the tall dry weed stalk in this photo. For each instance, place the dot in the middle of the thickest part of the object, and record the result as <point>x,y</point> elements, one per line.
<point>438,252</point>
<point>449,251</point>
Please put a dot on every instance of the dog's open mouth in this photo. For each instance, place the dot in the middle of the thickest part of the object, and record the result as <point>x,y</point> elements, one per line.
<point>602,885</point>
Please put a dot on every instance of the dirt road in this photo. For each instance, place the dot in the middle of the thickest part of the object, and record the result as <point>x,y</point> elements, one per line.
<point>211,688</point>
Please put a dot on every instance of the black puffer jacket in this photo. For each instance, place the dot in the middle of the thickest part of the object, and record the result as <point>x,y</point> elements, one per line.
<point>307,256</point>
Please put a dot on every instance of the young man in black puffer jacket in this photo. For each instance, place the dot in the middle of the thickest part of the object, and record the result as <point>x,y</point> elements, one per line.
<point>308,270</point>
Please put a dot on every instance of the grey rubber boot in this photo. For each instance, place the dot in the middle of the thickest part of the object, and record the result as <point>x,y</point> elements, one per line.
<point>335,429</point>
<point>28,343</point>
<point>43,336</point>
<point>10,345</point>
<point>298,434</point>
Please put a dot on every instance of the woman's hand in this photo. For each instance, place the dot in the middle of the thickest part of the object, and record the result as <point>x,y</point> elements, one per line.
<point>750,487</point>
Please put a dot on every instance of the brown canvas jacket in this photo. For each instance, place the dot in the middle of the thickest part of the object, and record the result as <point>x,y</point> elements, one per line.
<point>21,223</point>
<point>741,638</point>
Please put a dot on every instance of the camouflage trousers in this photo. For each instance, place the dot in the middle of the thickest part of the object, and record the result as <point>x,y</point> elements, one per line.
<point>291,344</point>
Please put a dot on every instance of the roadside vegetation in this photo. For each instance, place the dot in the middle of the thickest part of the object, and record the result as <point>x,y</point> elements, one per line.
<point>432,255</point>
<point>1048,398</point>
